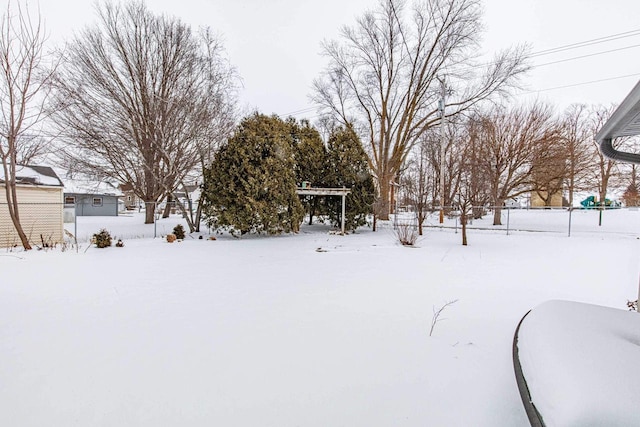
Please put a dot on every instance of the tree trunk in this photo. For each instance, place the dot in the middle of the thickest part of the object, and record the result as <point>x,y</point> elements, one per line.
<point>150,208</point>
<point>167,206</point>
<point>312,209</point>
<point>463,222</point>
<point>198,216</point>
<point>12,204</point>
<point>187,215</point>
<point>383,203</point>
<point>497,213</point>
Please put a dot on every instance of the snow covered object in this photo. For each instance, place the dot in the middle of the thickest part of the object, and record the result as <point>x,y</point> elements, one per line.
<point>574,365</point>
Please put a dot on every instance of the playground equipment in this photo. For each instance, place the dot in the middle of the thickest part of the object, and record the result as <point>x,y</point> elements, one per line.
<point>591,203</point>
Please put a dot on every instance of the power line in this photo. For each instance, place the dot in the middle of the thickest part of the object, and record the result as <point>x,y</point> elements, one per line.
<point>580,84</point>
<point>587,56</point>
<point>571,46</point>
<point>300,111</point>
<point>577,45</point>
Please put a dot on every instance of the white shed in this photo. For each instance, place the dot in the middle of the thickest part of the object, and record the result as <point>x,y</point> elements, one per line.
<point>40,206</point>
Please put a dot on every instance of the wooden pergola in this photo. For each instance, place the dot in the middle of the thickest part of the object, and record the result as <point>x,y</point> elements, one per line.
<point>319,191</point>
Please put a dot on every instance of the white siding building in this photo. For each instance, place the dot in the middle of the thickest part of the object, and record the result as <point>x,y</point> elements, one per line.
<point>40,198</point>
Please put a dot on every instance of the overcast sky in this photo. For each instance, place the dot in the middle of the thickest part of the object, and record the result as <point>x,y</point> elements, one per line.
<point>275,44</point>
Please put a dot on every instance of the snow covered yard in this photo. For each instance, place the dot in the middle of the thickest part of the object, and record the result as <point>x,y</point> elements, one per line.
<point>313,329</point>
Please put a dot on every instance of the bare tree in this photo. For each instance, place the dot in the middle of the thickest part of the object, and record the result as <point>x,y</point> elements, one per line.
<point>473,190</point>
<point>603,171</point>
<point>25,69</point>
<point>631,195</point>
<point>141,99</point>
<point>577,137</point>
<point>507,140</point>
<point>466,191</point>
<point>387,76</point>
<point>417,182</point>
<point>549,169</point>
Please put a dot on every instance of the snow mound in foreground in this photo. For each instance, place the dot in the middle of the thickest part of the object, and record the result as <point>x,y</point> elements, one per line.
<point>578,361</point>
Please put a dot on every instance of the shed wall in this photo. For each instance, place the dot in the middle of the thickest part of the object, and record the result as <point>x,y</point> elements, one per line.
<point>85,205</point>
<point>40,210</point>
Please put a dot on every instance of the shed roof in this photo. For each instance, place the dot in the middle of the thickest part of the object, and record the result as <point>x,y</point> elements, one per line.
<point>35,175</point>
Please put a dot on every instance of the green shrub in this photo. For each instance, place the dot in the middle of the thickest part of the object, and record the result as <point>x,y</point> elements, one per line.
<point>102,239</point>
<point>178,230</point>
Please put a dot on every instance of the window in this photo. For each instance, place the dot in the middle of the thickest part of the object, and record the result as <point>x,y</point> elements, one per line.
<point>70,200</point>
<point>97,201</point>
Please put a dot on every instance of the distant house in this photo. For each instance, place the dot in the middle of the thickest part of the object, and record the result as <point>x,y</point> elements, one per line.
<point>131,201</point>
<point>92,197</point>
<point>192,193</point>
<point>538,202</point>
<point>40,197</point>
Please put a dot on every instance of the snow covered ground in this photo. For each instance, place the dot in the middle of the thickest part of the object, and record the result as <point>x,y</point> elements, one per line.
<point>313,329</point>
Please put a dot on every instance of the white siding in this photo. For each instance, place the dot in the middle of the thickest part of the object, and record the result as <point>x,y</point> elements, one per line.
<point>40,209</point>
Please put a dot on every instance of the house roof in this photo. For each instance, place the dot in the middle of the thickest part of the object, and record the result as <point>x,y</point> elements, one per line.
<point>87,185</point>
<point>625,121</point>
<point>81,186</point>
<point>35,175</point>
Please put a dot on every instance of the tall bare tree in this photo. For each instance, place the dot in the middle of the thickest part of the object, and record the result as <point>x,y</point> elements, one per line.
<point>577,137</point>
<point>387,76</point>
<point>603,171</point>
<point>507,140</point>
<point>138,98</point>
<point>549,169</point>
<point>25,69</point>
<point>418,181</point>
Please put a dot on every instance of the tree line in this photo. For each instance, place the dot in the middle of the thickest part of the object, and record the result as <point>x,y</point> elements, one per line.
<point>145,100</point>
<point>503,152</point>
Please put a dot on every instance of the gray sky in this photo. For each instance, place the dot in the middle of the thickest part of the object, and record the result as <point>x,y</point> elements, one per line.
<point>275,44</point>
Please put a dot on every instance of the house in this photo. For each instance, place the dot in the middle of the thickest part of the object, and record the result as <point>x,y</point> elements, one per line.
<point>556,201</point>
<point>92,197</point>
<point>40,197</point>
<point>131,201</point>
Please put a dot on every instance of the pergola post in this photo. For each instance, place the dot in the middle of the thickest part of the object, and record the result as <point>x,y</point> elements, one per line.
<point>344,201</point>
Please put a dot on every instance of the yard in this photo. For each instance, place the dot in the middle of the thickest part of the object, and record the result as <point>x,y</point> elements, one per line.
<point>313,329</point>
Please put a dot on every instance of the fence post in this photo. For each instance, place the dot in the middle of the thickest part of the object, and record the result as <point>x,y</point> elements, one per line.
<point>570,212</point>
<point>600,218</point>
<point>155,222</point>
<point>508,216</point>
<point>75,223</point>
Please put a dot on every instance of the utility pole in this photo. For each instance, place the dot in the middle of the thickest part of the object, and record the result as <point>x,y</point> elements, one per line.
<point>443,123</point>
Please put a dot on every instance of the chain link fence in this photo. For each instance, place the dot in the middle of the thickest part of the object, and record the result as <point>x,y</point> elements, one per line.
<point>539,220</point>
<point>50,224</point>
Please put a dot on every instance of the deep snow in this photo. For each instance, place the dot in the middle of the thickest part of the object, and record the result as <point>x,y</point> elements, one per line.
<point>313,329</point>
<point>578,361</point>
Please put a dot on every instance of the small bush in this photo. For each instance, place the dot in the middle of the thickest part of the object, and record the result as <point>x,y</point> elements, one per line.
<point>406,234</point>
<point>102,239</point>
<point>178,230</point>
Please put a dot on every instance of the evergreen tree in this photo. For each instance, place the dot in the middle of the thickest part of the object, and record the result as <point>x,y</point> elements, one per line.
<point>310,156</point>
<point>250,186</point>
<point>347,166</point>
